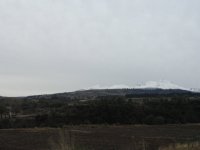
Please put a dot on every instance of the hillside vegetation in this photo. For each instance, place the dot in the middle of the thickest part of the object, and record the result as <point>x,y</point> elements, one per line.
<point>101,107</point>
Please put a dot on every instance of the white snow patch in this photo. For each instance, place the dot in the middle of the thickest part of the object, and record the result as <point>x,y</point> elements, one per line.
<point>162,84</point>
<point>120,86</point>
<point>195,90</point>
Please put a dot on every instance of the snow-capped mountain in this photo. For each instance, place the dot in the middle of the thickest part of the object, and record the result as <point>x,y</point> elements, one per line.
<point>163,84</point>
<point>195,90</point>
<point>120,86</point>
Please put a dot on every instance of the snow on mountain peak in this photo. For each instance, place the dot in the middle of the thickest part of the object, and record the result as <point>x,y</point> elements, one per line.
<point>162,84</point>
<point>195,90</point>
<point>120,86</point>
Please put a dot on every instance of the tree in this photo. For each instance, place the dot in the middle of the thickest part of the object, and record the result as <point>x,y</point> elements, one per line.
<point>3,110</point>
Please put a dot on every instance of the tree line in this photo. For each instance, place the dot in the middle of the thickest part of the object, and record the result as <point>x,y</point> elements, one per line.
<point>104,110</point>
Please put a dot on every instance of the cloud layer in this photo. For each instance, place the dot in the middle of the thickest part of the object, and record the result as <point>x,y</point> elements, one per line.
<point>51,46</point>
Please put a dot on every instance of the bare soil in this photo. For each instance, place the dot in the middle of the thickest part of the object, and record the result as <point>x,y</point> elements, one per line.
<point>98,137</point>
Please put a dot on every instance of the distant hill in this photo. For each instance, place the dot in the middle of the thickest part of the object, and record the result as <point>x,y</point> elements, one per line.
<point>148,89</point>
<point>93,94</point>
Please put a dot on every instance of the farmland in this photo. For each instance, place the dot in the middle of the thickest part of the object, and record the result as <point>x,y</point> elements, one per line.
<point>102,137</point>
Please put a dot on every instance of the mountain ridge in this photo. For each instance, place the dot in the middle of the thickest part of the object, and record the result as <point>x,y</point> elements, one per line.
<point>150,87</point>
<point>161,84</point>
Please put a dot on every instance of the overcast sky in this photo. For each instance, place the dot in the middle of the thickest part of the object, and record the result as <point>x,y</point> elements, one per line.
<point>49,46</point>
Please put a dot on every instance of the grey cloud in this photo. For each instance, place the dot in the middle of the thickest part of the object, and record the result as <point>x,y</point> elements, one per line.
<point>61,45</point>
